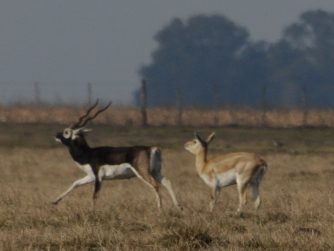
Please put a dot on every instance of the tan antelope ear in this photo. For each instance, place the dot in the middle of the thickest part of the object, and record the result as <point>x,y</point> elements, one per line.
<point>210,137</point>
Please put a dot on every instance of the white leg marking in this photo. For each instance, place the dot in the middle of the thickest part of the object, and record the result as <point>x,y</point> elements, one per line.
<point>86,180</point>
<point>168,185</point>
<point>158,198</point>
<point>139,176</point>
<point>257,202</point>
<point>242,187</point>
<point>239,187</point>
<point>255,183</point>
<point>256,195</point>
<point>101,174</point>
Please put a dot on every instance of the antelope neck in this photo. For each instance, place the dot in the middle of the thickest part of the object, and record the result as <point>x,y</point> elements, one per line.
<point>201,159</point>
<point>80,150</point>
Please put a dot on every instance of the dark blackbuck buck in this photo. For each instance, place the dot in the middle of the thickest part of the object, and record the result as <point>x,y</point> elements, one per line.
<point>108,163</point>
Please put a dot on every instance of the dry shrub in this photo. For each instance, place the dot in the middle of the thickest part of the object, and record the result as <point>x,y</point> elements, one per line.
<point>186,237</point>
<point>131,116</point>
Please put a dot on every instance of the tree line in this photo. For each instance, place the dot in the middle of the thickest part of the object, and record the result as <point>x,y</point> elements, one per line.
<point>211,61</point>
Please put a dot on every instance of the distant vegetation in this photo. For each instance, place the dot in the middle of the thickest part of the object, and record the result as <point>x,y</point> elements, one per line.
<point>211,61</point>
<point>157,116</point>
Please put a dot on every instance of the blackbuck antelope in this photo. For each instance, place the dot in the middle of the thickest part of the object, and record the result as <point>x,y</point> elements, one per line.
<point>108,163</point>
<point>241,168</point>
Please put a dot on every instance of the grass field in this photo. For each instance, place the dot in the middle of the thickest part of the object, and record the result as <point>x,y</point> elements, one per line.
<point>297,191</point>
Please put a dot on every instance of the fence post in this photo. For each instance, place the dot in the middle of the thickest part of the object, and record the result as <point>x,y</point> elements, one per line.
<point>216,98</point>
<point>305,105</point>
<point>143,102</point>
<point>179,105</point>
<point>89,94</point>
<point>37,93</point>
<point>264,106</point>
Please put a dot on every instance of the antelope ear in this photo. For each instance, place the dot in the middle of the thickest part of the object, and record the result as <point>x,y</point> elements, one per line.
<point>81,129</point>
<point>86,130</point>
<point>210,137</point>
<point>196,135</point>
<point>199,138</point>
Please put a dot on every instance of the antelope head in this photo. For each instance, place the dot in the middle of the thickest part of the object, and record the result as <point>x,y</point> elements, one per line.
<point>198,144</point>
<point>76,130</point>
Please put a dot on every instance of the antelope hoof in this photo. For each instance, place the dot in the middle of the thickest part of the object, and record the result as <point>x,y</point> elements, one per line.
<point>211,207</point>
<point>239,213</point>
<point>179,207</point>
<point>55,202</point>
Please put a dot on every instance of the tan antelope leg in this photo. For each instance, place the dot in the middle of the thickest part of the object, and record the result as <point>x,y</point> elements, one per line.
<point>242,188</point>
<point>214,196</point>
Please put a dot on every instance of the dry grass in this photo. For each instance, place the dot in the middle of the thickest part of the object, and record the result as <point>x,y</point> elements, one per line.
<point>297,212</point>
<point>130,116</point>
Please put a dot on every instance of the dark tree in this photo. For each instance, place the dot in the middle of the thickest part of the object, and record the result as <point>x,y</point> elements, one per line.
<point>194,56</point>
<point>310,43</point>
<point>207,54</point>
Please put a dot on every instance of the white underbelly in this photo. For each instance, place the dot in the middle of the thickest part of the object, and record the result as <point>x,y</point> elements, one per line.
<point>226,179</point>
<point>220,180</point>
<point>122,171</point>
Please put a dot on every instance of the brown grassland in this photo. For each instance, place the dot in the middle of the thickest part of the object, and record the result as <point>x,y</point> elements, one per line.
<point>297,191</point>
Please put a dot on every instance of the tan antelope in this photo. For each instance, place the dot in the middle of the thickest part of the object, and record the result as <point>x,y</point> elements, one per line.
<point>111,163</point>
<point>241,168</point>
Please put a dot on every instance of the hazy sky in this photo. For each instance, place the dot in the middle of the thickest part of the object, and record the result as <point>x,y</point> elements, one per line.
<point>63,44</point>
